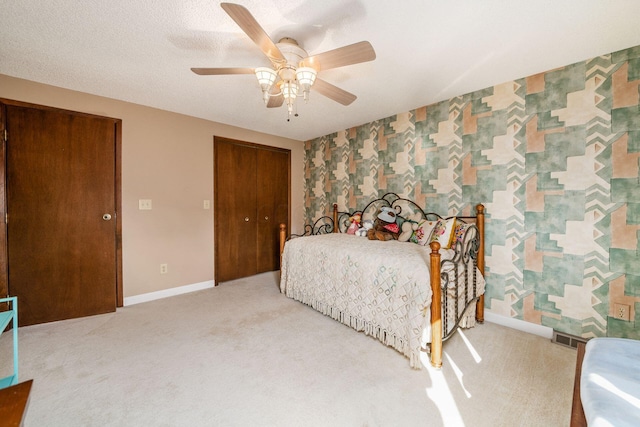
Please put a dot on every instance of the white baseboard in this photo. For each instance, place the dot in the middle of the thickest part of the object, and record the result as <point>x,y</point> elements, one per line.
<point>165,293</point>
<point>521,325</point>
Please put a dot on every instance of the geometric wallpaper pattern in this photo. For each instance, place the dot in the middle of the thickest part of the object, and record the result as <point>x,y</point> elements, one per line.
<point>555,159</point>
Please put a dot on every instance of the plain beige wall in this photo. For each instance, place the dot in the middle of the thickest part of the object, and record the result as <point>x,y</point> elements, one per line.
<point>168,158</point>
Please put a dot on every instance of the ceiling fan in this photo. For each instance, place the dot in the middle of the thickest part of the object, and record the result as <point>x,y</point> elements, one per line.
<point>293,70</point>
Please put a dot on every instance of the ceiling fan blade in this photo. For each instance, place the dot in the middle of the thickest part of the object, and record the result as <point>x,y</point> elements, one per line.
<point>346,55</point>
<point>275,101</point>
<point>333,92</point>
<point>250,26</point>
<point>221,71</point>
<point>277,98</point>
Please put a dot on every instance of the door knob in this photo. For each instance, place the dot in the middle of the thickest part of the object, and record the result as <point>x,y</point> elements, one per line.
<point>106,217</point>
<point>246,219</point>
<point>266,218</point>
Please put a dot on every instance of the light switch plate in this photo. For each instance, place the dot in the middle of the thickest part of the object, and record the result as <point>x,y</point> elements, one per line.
<point>206,204</point>
<point>144,204</point>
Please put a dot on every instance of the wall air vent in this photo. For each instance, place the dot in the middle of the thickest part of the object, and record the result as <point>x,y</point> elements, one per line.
<point>567,340</point>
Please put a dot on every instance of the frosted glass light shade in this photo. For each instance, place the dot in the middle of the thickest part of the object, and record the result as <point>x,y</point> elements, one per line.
<point>306,76</point>
<point>266,77</point>
<point>290,90</point>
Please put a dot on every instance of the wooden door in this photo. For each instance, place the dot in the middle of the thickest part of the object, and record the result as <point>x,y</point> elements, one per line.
<point>61,207</point>
<point>273,205</point>
<point>235,210</point>
<point>252,192</point>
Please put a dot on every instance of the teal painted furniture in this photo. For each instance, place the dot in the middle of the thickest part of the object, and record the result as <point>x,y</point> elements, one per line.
<point>6,317</point>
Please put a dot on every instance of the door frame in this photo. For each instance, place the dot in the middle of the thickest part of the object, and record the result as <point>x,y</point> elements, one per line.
<point>4,275</point>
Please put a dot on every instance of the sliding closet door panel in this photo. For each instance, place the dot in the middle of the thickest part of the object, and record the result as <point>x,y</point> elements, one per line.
<point>273,205</point>
<point>235,213</point>
<point>61,207</point>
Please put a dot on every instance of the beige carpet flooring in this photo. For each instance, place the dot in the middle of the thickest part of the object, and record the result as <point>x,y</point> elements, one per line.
<point>242,354</point>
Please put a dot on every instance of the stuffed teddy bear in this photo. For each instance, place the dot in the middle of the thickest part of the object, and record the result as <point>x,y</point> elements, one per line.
<point>385,226</point>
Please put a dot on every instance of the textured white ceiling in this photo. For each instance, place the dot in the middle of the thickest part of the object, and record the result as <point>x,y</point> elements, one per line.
<point>427,50</point>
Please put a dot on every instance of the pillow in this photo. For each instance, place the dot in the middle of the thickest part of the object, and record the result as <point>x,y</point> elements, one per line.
<point>458,234</point>
<point>422,233</point>
<point>443,232</point>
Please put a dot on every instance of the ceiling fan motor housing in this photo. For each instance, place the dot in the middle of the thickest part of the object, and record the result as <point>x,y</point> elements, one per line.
<point>294,54</point>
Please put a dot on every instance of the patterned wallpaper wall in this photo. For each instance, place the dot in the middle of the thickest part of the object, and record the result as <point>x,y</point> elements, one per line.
<point>554,158</point>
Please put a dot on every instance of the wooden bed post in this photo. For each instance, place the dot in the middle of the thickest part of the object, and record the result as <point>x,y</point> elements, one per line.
<point>283,239</point>
<point>336,226</point>
<point>436,307</point>
<point>480,225</point>
<point>578,419</point>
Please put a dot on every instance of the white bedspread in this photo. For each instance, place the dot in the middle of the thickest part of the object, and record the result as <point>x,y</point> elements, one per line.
<point>610,382</point>
<point>380,288</point>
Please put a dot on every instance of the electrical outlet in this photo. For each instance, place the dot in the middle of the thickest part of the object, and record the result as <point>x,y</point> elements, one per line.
<point>622,312</point>
<point>164,268</point>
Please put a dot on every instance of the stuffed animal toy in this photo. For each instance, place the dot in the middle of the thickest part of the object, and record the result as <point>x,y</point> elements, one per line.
<point>409,226</point>
<point>367,225</point>
<point>385,226</point>
<point>355,224</point>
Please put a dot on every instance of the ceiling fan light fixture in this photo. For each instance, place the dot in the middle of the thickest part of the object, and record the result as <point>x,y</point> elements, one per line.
<point>290,92</point>
<point>266,77</point>
<point>306,76</point>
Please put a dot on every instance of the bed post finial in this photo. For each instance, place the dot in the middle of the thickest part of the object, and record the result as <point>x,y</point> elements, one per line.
<point>336,226</point>
<point>480,225</point>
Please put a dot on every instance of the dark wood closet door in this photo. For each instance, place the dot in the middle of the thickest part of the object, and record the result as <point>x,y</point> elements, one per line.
<point>60,184</point>
<point>235,211</point>
<point>251,200</point>
<point>273,205</point>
